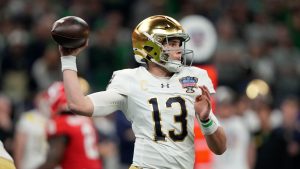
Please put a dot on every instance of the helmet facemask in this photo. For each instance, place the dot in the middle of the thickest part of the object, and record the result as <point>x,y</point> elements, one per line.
<point>159,54</point>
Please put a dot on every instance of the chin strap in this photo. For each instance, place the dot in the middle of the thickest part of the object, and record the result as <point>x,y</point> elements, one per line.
<point>170,66</point>
<point>174,66</point>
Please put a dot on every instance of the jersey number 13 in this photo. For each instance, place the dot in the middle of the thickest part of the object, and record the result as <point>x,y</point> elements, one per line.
<point>181,118</point>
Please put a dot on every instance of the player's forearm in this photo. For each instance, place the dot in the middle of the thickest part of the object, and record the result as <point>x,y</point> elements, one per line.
<point>57,146</point>
<point>214,133</point>
<point>19,142</point>
<point>217,141</point>
<point>53,159</point>
<point>77,102</point>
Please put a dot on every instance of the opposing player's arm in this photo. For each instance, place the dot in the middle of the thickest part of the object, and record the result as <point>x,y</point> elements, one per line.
<point>55,153</point>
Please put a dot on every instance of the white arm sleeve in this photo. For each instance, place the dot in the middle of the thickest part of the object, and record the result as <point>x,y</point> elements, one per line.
<point>107,102</point>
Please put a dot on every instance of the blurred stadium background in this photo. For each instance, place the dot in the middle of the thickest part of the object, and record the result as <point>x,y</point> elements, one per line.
<point>257,65</point>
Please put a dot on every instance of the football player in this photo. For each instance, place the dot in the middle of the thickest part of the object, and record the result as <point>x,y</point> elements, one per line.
<point>72,139</point>
<point>30,143</point>
<point>161,98</point>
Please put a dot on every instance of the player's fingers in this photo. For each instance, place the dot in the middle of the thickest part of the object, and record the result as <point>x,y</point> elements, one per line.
<point>198,98</point>
<point>63,51</point>
<point>84,45</point>
<point>207,99</point>
<point>204,97</point>
<point>205,88</point>
<point>201,97</point>
<point>204,91</point>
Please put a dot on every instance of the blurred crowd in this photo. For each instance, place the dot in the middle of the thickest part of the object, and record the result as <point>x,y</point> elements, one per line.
<point>257,39</point>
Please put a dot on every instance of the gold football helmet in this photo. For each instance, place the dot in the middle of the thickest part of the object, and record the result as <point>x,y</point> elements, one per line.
<point>148,38</point>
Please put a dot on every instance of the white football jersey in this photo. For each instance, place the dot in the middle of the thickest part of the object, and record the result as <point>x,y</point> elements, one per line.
<point>33,124</point>
<point>238,140</point>
<point>162,114</point>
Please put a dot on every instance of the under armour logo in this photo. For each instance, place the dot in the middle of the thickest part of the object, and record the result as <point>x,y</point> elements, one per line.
<point>167,85</point>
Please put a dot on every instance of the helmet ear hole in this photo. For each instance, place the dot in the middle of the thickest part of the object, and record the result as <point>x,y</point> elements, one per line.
<point>148,48</point>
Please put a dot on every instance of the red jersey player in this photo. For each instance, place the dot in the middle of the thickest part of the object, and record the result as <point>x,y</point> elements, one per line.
<point>72,139</point>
